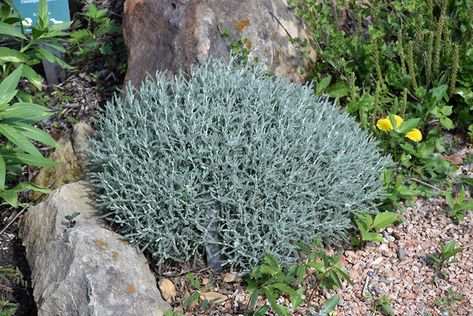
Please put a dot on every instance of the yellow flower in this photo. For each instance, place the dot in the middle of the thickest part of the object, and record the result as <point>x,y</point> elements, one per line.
<point>385,125</point>
<point>415,135</point>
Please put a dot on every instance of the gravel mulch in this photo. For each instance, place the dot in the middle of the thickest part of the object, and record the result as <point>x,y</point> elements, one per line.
<point>400,269</point>
<point>397,268</point>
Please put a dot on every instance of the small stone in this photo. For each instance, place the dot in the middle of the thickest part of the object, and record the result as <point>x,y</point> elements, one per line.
<point>384,249</point>
<point>400,253</point>
<point>377,261</point>
<point>168,290</point>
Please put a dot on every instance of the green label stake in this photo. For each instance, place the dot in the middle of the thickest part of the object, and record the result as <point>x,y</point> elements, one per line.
<point>28,10</point>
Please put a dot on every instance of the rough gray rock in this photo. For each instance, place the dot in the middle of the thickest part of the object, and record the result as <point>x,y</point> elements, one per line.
<point>80,142</point>
<point>173,34</point>
<point>71,158</point>
<point>85,269</point>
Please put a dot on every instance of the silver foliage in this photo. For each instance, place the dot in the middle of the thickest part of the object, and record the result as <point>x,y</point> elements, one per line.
<point>279,165</point>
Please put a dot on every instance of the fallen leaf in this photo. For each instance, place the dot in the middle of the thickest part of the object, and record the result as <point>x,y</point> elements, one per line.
<point>230,277</point>
<point>168,290</point>
<point>456,160</point>
<point>214,297</point>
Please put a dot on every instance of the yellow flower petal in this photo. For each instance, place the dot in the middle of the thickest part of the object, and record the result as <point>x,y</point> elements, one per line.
<point>415,135</point>
<point>399,120</point>
<point>384,124</point>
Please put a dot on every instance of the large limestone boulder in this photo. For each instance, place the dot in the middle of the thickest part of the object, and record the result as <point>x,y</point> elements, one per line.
<point>174,34</point>
<point>84,268</point>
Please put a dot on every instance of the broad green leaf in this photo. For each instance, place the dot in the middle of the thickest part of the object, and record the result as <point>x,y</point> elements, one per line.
<point>279,309</point>
<point>32,77</point>
<point>439,92</point>
<point>43,16</point>
<point>59,27</point>
<point>369,236</point>
<point>465,93</point>
<point>11,82</point>
<point>17,138</point>
<point>11,195</point>
<point>384,219</point>
<point>26,112</point>
<point>364,221</point>
<point>446,110</point>
<point>447,123</point>
<point>322,85</point>
<point>336,280</point>
<point>267,269</point>
<point>338,90</point>
<point>408,125</point>
<point>253,300</point>
<point>46,54</point>
<point>6,98</point>
<point>329,306</point>
<point>35,133</point>
<point>7,29</point>
<point>262,311</point>
<point>466,206</point>
<point>54,44</point>
<point>13,56</point>
<point>388,309</point>
<point>3,172</point>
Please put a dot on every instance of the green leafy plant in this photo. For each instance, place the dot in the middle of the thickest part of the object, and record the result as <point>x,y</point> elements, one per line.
<point>239,47</point>
<point>398,188</point>
<point>91,37</point>
<point>367,224</point>
<point>70,219</point>
<point>329,306</point>
<point>18,55</point>
<point>9,277</point>
<point>459,207</point>
<point>272,280</point>
<point>28,49</point>
<point>446,256</point>
<point>255,163</point>
<point>447,302</point>
<point>398,57</point>
<point>383,305</point>
<point>17,150</point>
<point>7,308</point>
<point>197,297</point>
<point>97,45</point>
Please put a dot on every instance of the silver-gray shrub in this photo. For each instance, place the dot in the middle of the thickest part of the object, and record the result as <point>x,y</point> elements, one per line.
<point>250,163</point>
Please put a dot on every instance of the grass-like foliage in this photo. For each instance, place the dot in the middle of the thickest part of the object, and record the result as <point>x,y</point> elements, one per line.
<point>231,157</point>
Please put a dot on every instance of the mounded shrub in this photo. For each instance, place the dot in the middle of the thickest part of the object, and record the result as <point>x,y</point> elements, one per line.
<point>231,158</point>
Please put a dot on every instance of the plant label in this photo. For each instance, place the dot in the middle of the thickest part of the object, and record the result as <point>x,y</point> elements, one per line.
<point>28,10</point>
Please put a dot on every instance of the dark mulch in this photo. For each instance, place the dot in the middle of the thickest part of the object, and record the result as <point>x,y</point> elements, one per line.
<point>12,255</point>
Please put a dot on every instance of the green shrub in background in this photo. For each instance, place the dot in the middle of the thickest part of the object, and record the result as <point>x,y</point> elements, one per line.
<point>19,53</point>
<point>412,58</point>
<point>234,159</point>
<point>97,44</point>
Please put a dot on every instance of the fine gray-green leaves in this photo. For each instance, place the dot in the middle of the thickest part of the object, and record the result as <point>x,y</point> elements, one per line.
<point>279,165</point>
